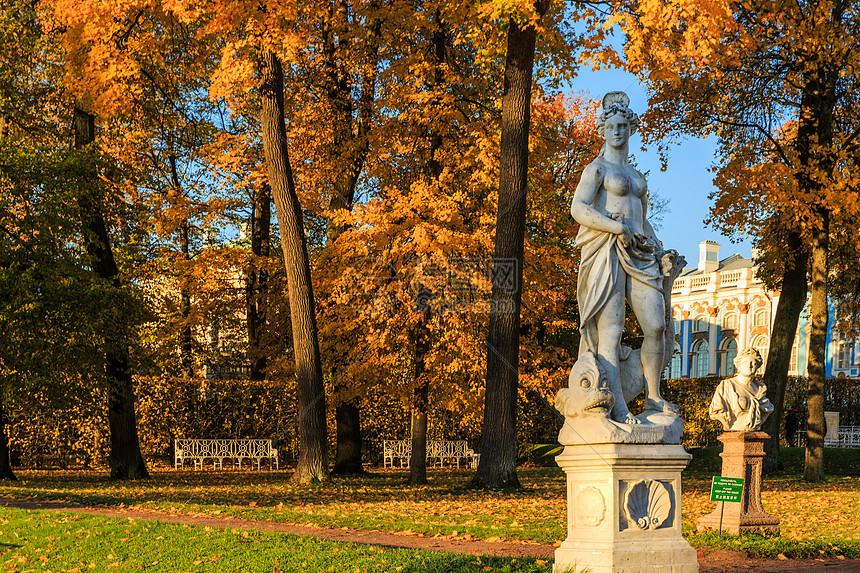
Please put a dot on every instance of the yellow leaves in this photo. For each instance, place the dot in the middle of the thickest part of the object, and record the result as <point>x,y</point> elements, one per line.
<point>521,10</point>
<point>236,72</point>
<point>669,37</point>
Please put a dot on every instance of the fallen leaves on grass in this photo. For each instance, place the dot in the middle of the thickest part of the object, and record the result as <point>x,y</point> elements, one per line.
<point>443,508</point>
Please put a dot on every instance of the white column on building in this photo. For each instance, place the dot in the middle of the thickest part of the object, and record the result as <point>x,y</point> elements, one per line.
<point>685,343</point>
<point>744,326</point>
<point>713,326</point>
<point>773,304</point>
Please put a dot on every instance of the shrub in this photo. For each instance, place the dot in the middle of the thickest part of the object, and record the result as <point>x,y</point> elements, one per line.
<point>67,426</point>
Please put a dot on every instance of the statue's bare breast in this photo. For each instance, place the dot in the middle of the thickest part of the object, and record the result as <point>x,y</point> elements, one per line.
<point>622,191</point>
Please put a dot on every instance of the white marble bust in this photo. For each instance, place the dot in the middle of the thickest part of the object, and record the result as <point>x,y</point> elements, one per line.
<point>739,403</point>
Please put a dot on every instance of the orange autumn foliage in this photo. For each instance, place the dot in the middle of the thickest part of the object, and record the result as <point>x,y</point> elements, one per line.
<point>409,231</point>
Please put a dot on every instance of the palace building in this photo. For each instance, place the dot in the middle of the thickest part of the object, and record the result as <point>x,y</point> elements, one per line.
<point>720,308</point>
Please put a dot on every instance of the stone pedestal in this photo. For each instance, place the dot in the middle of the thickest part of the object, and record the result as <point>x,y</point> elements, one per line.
<point>624,509</point>
<point>743,454</point>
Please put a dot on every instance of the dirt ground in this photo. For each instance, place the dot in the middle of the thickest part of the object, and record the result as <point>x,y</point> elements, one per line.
<point>710,561</point>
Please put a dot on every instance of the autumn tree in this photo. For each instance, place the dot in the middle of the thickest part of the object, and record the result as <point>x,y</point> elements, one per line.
<point>375,130</point>
<point>421,333</point>
<point>66,319</point>
<point>156,127</point>
<point>126,460</point>
<point>313,455</point>
<point>535,32</point>
<point>434,98</point>
<point>53,312</point>
<point>350,50</point>
<point>437,240</point>
<point>432,91</point>
<point>407,234</point>
<point>46,310</point>
<point>773,81</point>
<point>94,190</point>
<point>168,151</point>
<point>255,40</point>
<point>497,466</point>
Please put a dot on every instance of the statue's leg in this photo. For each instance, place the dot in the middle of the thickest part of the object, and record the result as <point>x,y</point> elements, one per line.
<point>648,306</point>
<point>610,324</point>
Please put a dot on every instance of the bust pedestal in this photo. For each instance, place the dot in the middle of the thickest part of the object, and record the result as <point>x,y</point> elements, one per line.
<point>743,454</point>
<point>624,509</point>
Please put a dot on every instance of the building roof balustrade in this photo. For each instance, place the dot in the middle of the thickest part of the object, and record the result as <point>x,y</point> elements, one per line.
<point>729,278</point>
<point>699,283</point>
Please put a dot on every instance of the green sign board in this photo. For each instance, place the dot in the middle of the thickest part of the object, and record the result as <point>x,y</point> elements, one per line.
<point>726,489</point>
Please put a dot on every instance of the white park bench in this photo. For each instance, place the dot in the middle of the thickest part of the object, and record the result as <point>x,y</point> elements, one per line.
<point>848,436</point>
<point>438,452</point>
<point>843,437</point>
<point>218,450</point>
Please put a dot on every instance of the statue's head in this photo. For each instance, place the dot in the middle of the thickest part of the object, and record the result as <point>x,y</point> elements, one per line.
<point>748,361</point>
<point>587,393</point>
<point>615,103</point>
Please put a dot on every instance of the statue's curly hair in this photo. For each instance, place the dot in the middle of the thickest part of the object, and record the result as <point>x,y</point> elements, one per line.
<point>747,352</point>
<point>614,108</point>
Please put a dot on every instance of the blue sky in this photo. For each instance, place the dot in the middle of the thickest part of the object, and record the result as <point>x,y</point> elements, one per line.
<point>686,183</point>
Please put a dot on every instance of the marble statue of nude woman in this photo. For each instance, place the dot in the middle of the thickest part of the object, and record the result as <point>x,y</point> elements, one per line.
<point>622,260</point>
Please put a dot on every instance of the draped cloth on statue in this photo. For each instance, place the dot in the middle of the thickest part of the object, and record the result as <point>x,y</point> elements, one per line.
<point>602,262</point>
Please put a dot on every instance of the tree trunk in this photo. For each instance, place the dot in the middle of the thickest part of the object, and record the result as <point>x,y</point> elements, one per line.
<point>348,459</point>
<point>420,402</point>
<point>497,467</point>
<point>418,457</point>
<point>347,156</point>
<point>813,469</point>
<point>313,452</point>
<point>186,346</point>
<point>256,280</point>
<point>421,390</point>
<point>792,298</point>
<point>125,459</point>
<point>186,343</point>
<point>5,465</point>
<point>820,96</point>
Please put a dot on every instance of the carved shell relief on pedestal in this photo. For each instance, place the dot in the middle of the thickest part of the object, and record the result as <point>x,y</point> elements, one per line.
<point>589,508</point>
<point>647,504</point>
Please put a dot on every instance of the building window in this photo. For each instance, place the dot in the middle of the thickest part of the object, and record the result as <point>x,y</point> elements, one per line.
<point>843,355</point>
<point>730,351</point>
<point>700,359</point>
<point>700,323</point>
<point>761,344</point>
<point>730,321</point>
<point>762,318</point>
<point>792,362</point>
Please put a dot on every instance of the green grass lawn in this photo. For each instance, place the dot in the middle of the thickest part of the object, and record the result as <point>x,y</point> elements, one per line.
<point>377,501</point>
<point>814,518</point>
<point>56,541</point>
